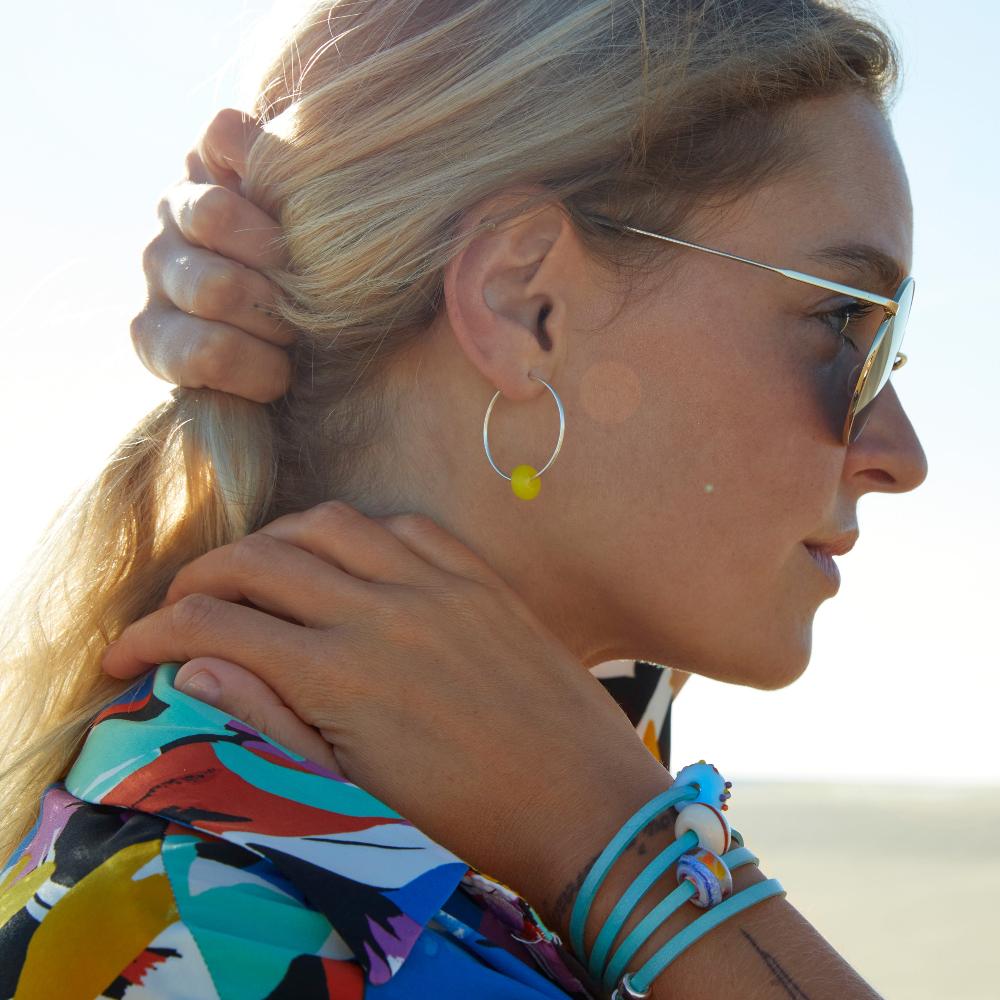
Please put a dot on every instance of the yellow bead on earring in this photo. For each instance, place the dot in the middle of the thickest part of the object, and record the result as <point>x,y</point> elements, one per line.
<point>525,480</point>
<point>522,484</point>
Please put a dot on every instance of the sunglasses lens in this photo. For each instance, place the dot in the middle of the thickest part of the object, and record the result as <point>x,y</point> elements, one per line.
<point>887,342</point>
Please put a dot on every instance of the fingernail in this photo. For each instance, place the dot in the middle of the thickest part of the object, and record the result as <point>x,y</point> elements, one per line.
<point>201,685</point>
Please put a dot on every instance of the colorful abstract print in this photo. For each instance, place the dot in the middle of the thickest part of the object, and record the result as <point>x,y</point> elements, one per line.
<point>186,855</point>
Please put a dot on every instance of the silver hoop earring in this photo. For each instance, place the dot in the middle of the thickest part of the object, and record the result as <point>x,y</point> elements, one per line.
<point>524,479</point>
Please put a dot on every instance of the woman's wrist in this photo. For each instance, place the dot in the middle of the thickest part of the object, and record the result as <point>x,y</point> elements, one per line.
<point>767,950</point>
<point>693,964</point>
<point>563,868</point>
<point>579,832</point>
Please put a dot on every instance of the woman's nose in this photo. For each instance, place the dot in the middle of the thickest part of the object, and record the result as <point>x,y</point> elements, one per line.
<point>888,455</point>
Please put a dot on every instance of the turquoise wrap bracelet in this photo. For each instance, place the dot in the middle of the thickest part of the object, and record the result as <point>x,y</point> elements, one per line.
<point>657,916</point>
<point>638,984</point>
<point>595,877</point>
<point>635,892</point>
<point>704,864</point>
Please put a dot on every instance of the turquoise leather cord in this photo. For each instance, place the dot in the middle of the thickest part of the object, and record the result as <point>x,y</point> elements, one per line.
<point>657,805</point>
<point>661,913</point>
<point>741,900</point>
<point>700,782</point>
<point>635,892</point>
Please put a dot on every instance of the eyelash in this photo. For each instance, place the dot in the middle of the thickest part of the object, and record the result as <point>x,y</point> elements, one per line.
<point>846,313</point>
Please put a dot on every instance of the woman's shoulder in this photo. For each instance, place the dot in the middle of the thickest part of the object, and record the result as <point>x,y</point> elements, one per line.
<point>85,890</point>
<point>119,902</point>
<point>187,852</point>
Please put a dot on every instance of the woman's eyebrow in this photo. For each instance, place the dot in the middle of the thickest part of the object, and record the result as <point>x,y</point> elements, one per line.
<point>868,264</point>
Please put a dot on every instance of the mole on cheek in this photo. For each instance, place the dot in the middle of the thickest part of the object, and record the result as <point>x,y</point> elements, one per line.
<point>610,392</point>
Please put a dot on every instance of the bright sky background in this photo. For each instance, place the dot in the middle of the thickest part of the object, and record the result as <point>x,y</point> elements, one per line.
<point>106,98</point>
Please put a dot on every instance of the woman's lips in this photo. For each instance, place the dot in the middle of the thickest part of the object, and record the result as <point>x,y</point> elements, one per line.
<point>825,562</point>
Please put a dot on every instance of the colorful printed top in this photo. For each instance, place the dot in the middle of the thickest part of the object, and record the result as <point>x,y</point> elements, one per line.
<point>186,855</point>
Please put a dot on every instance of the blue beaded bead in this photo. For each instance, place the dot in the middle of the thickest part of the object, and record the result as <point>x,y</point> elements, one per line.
<point>713,789</point>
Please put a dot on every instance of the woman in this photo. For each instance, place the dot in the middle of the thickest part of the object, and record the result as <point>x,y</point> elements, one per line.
<point>475,199</point>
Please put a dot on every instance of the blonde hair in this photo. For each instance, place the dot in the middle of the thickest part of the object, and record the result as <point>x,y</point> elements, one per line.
<point>384,121</point>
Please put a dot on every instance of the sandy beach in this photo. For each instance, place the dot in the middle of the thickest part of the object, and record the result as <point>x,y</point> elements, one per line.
<point>901,880</point>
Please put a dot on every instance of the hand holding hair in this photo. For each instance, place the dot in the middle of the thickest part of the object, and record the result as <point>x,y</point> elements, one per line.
<point>207,320</point>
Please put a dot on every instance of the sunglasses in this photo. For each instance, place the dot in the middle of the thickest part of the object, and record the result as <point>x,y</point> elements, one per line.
<point>853,385</point>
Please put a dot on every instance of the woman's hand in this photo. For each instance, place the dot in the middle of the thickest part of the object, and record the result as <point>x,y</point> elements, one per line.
<point>206,322</point>
<point>440,691</point>
<point>243,695</point>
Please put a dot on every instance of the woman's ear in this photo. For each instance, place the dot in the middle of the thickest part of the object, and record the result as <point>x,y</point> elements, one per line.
<point>506,293</point>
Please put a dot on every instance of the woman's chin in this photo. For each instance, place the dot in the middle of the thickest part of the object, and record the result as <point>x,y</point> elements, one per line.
<point>766,667</point>
<point>768,648</point>
<point>784,667</point>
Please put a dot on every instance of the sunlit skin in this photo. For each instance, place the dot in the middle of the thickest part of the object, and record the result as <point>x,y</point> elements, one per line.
<point>698,455</point>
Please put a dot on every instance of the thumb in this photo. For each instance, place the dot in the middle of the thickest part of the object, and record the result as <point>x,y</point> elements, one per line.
<point>220,154</point>
<point>242,694</point>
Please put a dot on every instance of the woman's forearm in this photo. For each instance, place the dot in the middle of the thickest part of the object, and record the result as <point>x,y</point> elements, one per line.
<point>766,952</point>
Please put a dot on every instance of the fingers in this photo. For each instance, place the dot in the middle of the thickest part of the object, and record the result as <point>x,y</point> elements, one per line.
<point>220,154</point>
<point>214,217</point>
<point>219,340</point>
<point>357,544</point>
<point>284,567</point>
<point>439,547</point>
<point>278,577</point>
<point>243,695</point>
<point>200,625</point>
<point>209,320</point>
<point>199,353</point>
<point>204,284</point>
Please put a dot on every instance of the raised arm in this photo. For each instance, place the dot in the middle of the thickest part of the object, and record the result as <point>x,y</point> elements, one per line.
<point>535,815</point>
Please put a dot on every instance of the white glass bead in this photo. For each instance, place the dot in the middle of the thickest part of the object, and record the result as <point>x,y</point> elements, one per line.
<point>710,824</point>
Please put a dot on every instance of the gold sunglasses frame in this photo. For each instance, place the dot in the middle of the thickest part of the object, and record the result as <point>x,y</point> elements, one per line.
<point>890,305</point>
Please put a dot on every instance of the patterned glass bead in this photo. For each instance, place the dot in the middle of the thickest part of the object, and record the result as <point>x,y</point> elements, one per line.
<point>709,874</point>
